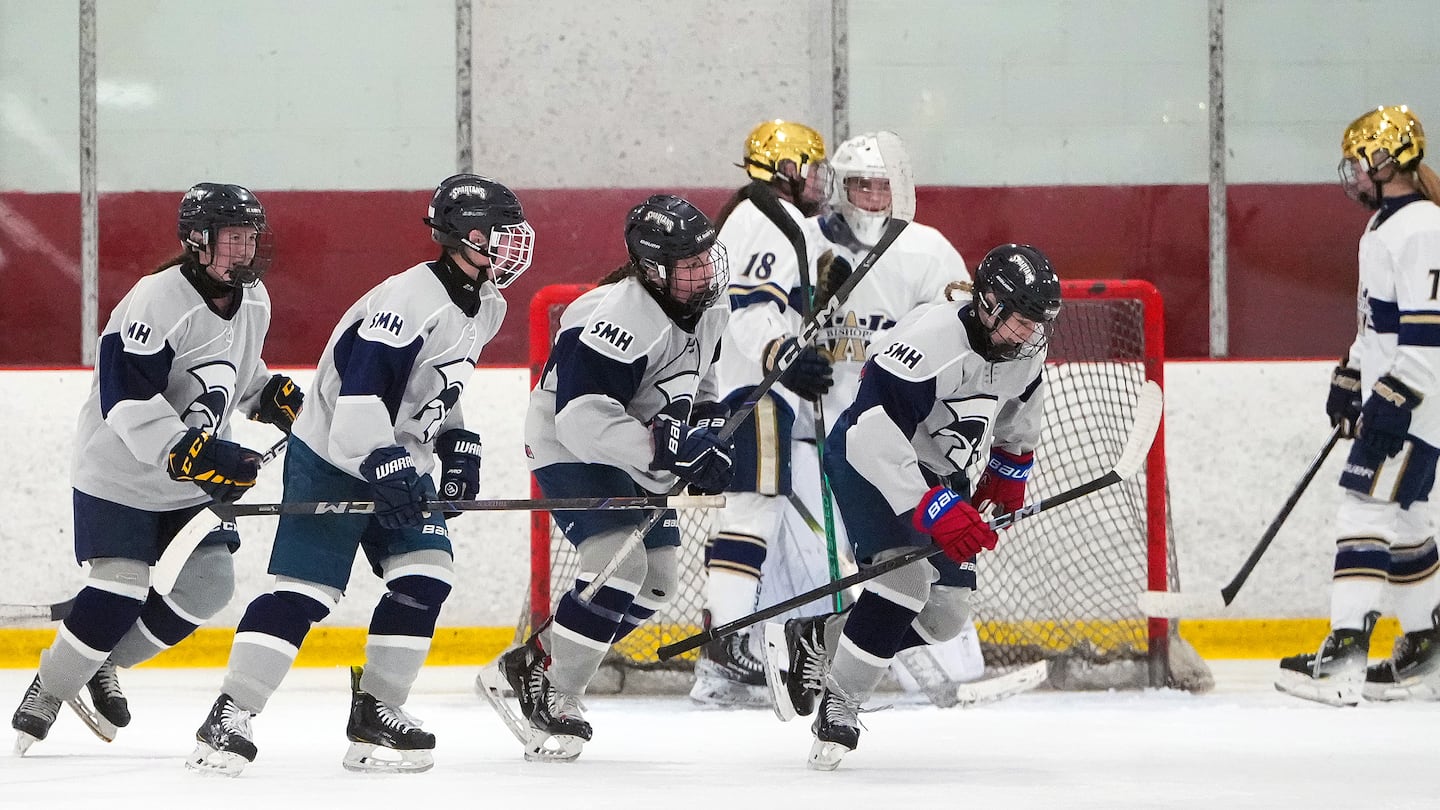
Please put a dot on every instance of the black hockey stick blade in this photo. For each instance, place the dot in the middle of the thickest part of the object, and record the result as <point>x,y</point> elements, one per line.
<point>23,614</point>
<point>1148,410</point>
<point>1180,605</point>
<point>231,511</point>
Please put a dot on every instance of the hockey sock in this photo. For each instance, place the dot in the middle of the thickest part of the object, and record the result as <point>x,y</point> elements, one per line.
<point>202,589</point>
<point>269,637</point>
<point>730,595</point>
<point>581,633</point>
<point>400,632</point>
<point>104,611</point>
<point>872,635</point>
<point>1414,584</point>
<point>1361,564</point>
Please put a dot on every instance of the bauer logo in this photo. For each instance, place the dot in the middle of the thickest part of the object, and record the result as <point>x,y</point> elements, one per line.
<point>908,356</point>
<point>612,334</point>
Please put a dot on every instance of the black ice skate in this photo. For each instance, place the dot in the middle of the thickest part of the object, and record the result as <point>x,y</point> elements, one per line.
<point>795,665</point>
<point>383,738</point>
<point>550,725</point>
<point>728,674</point>
<point>224,745</point>
<point>1336,674</point>
<point>34,717</point>
<point>836,729</point>
<point>1412,672</point>
<point>108,711</point>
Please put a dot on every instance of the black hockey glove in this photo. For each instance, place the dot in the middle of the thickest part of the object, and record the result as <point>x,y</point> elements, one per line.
<point>810,376</point>
<point>224,469</point>
<point>694,454</point>
<point>1385,417</point>
<point>280,403</point>
<point>400,493</point>
<point>1343,404</point>
<point>459,453</point>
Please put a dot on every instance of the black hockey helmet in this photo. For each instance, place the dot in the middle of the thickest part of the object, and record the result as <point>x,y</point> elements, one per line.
<point>208,207</point>
<point>675,247</point>
<point>469,202</point>
<point>1016,280</point>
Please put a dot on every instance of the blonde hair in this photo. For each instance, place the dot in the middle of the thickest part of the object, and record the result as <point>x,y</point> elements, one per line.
<point>953,287</point>
<point>1428,182</point>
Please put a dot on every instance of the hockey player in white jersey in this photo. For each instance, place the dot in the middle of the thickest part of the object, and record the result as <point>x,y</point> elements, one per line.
<point>958,384</point>
<point>1386,395</point>
<point>866,180</point>
<point>180,353</point>
<point>384,405</point>
<point>626,406</point>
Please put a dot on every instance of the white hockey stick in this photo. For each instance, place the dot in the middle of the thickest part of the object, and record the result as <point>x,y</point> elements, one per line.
<point>1149,409</point>
<point>990,690</point>
<point>13,614</point>
<point>177,553</point>
<point>1178,604</point>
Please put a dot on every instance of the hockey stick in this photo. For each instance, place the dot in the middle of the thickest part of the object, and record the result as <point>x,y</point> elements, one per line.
<point>1178,604</point>
<point>177,553</point>
<point>231,511</point>
<point>11,614</point>
<point>1148,410</point>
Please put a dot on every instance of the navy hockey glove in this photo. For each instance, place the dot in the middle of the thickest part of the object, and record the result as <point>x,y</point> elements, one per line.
<point>956,526</point>
<point>1385,417</point>
<point>1002,485</point>
<point>459,452</point>
<point>810,376</point>
<point>710,416</point>
<point>224,469</point>
<point>280,403</point>
<point>399,491</point>
<point>1343,404</point>
<point>694,454</point>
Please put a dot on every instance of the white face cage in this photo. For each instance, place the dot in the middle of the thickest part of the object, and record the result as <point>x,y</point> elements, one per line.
<point>511,249</point>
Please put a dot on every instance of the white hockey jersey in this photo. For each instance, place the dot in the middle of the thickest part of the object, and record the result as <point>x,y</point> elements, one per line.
<point>618,361</point>
<point>1399,308</point>
<point>767,301</point>
<point>394,368</point>
<point>166,363</point>
<point>928,398</point>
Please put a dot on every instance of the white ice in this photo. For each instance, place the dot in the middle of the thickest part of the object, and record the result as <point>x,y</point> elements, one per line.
<point>1243,745</point>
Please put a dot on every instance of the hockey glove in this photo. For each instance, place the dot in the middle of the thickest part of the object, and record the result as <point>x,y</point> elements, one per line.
<point>280,403</point>
<point>1385,417</point>
<point>224,469</point>
<point>710,416</point>
<point>694,454</point>
<point>1002,485</point>
<point>810,376</point>
<point>398,490</point>
<point>1343,404</point>
<point>954,524</point>
<point>459,452</point>
<point>831,273</point>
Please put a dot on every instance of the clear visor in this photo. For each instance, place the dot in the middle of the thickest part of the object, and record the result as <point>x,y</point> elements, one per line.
<point>817,178</point>
<point>511,249</point>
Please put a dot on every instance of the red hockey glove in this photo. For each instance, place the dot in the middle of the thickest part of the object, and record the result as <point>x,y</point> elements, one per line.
<point>1002,485</point>
<point>954,524</point>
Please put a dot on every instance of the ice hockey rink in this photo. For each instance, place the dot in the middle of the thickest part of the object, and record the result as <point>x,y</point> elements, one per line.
<point>1242,745</point>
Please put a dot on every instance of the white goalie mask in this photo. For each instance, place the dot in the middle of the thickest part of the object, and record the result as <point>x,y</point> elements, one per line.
<point>870,181</point>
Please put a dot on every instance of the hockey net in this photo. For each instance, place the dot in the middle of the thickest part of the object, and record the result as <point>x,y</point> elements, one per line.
<point>1061,585</point>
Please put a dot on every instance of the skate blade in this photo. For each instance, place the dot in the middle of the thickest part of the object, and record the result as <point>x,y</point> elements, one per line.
<point>210,762</point>
<point>371,758</point>
<point>720,693</point>
<point>1391,692</point>
<point>493,688</point>
<point>776,661</point>
<point>23,741</point>
<point>93,720</point>
<point>542,746</point>
<point>826,756</point>
<point>1325,690</point>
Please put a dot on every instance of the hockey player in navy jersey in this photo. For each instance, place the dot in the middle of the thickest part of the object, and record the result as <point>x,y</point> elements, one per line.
<point>626,406</point>
<point>1386,395</point>
<point>866,179</point>
<point>384,412</point>
<point>179,355</point>
<point>959,385</point>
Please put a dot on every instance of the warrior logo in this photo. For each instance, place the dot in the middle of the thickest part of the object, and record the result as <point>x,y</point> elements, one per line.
<point>453,375</point>
<point>217,384</point>
<point>961,439</point>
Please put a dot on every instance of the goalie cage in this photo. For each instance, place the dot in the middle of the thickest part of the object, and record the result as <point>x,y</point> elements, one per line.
<point>1060,586</point>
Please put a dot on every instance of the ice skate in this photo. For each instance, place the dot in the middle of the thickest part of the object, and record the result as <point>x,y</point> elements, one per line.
<point>552,727</point>
<point>796,647</point>
<point>384,738</point>
<point>836,729</point>
<point>224,740</point>
<point>107,711</point>
<point>729,675</point>
<point>1336,674</point>
<point>1413,670</point>
<point>34,717</point>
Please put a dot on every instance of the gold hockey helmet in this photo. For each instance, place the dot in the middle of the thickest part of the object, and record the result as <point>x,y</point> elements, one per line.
<point>774,141</point>
<point>1394,129</point>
